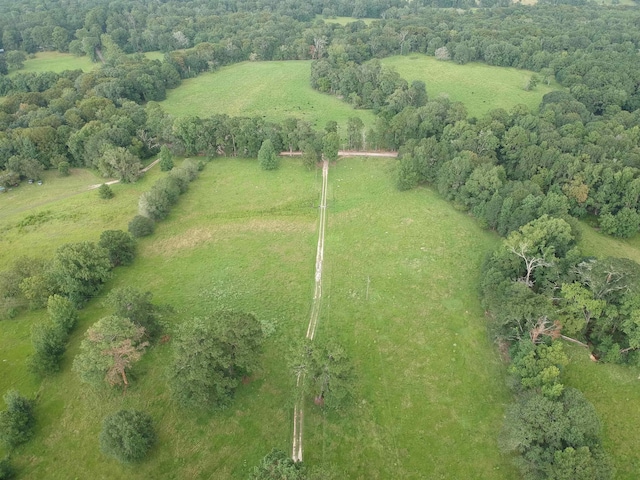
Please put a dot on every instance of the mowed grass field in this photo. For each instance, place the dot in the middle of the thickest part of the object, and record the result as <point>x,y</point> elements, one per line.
<point>56,62</point>
<point>479,86</point>
<point>401,270</point>
<point>430,390</point>
<point>273,90</point>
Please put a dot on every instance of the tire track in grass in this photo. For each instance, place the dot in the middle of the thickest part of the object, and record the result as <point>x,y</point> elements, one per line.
<point>298,414</point>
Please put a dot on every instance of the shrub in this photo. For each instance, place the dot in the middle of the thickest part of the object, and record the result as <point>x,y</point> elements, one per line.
<point>105,192</point>
<point>127,435</point>
<point>49,343</point>
<point>63,169</point>
<point>17,421</point>
<point>6,470</point>
<point>120,245</point>
<point>166,159</point>
<point>62,313</point>
<point>267,156</point>
<point>141,226</point>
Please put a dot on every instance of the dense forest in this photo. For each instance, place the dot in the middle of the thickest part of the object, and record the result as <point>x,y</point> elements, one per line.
<point>528,175</point>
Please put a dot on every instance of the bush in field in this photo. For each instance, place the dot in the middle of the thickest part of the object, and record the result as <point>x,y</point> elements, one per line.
<point>141,226</point>
<point>105,192</point>
<point>166,159</point>
<point>17,421</point>
<point>127,435</point>
<point>120,245</point>
<point>267,156</point>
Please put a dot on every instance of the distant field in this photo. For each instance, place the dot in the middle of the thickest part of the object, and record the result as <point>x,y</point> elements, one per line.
<point>154,55</point>
<point>57,62</point>
<point>273,90</point>
<point>479,86</point>
<point>346,20</point>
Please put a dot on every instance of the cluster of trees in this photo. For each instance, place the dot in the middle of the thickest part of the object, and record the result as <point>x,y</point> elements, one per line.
<point>539,284</point>
<point>77,272</point>
<point>155,204</point>
<point>554,429</point>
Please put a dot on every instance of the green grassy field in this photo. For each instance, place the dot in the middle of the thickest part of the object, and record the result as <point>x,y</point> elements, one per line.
<point>346,20</point>
<point>154,55</point>
<point>56,62</point>
<point>274,90</point>
<point>429,380</point>
<point>479,86</point>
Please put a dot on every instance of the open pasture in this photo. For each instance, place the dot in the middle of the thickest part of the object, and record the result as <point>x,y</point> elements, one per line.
<point>56,62</point>
<point>478,86</point>
<point>401,270</point>
<point>273,90</point>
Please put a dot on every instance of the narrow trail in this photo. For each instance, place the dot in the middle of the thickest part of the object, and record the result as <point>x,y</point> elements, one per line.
<point>145,169</point>
<point>298,414</point>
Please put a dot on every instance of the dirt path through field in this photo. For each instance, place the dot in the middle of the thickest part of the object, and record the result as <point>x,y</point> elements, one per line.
<point>298,414</point>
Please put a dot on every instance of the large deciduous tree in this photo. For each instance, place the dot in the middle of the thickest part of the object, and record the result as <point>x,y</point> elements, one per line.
<point>109,350</point>
<point>127,435</point>
<point>80,269</point>
<point>211,356</point>
<point>120,246</point>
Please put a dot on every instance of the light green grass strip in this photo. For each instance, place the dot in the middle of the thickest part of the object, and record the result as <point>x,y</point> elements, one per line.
<point>478,86</point>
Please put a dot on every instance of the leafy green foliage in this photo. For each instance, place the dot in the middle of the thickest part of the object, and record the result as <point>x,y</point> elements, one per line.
<point>127,435</point>
<point>129,302</point>
<point>538,427</point>
<point>109,350</point>
<point>7,471</point>
<point>326,371</point>
<point>49,343</point>
<point>277,465</point>
<point>539,366</point>
<point>80,269</point>
<point>166,159</point>
<point>17,421</point>
<point>120,246</point>
<point>141,226</point>
<point>330,146</point>
<point>63,169</point>
<point>211,356</point>
<point>105,192</point>
<point>267,156</point>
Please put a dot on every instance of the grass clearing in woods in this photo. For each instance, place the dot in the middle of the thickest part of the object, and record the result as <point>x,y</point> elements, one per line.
<point>480,87</point>
<point>272,90</point>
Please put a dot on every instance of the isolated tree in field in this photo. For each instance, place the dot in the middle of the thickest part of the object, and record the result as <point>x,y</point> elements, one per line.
<point>327,372</point>
<point>267,156</point>
<point>120,246</point>
<point>310,155</point>
<point>330,146</point>
<point>141,226</point>
<point>109,350</point>
<point>129,302</point>
<point>17,421</point>
<point>49,343</point>
<point>211,356</point>
<point>121,163</point>
<point>277,465</point>
<point>80,269</point>
<point>166,159</point>
<point>127,435</point>
<point>105,192</point>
